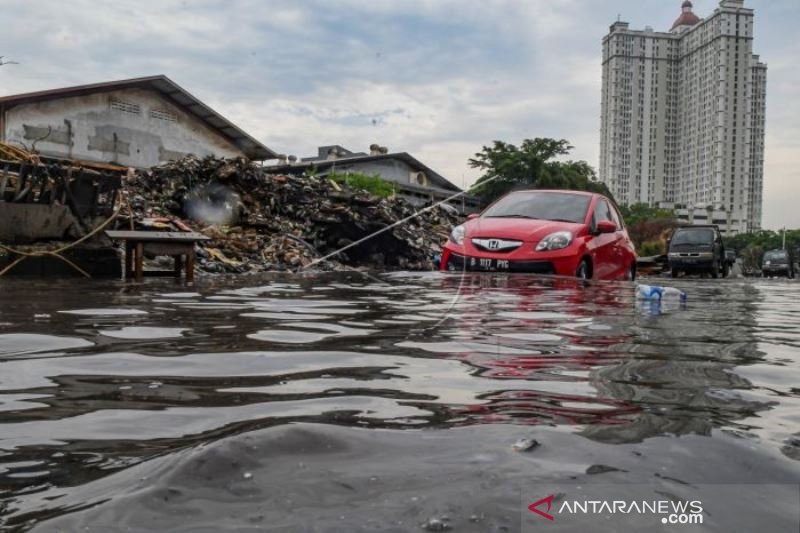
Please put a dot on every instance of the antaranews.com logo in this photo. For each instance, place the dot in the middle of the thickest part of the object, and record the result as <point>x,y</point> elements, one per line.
<point>662,507</point>
<point>668,511</point>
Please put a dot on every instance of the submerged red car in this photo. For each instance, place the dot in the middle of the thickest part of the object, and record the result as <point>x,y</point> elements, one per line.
<point>566,233</point>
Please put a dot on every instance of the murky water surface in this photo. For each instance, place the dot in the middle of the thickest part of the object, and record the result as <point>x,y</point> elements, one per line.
<point>356,403</point>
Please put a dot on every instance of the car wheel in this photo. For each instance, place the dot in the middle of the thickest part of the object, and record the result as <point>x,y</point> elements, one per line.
<point>725,270</point>
<point>583,270</point>
<point>675,272</point>
<point>715,271</point>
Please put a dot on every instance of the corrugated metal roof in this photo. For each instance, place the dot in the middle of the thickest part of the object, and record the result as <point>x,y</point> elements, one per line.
<point>171,90</point>
<point>437,179</point>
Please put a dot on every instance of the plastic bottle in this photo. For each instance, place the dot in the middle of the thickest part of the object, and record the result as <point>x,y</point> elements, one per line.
<point>654,292</point>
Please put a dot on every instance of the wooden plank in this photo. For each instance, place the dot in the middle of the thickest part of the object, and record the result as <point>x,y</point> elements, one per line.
<point>157,236</point>
<point>167,248</point>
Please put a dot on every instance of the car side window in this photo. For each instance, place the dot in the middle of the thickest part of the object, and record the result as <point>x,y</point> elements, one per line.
<point>615,216</point>
<point>602,212</point>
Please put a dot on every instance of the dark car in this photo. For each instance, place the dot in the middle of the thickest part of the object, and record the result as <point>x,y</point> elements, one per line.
<point>730,257</point>
<point>697,250</point>
<point>777,263</point>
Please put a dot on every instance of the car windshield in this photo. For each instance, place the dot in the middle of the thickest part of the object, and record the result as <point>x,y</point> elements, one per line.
<point>564,207</point>
<point>693,237</point>
<point>775,256</point>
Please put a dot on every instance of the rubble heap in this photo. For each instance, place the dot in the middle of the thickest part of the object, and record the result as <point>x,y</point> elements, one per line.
<point>260,222</point>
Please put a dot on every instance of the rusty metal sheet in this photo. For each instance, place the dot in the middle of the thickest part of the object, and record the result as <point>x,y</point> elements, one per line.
<point>23,223</point>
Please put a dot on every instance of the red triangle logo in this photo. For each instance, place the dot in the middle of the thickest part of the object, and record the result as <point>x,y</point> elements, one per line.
<point>549,501</point>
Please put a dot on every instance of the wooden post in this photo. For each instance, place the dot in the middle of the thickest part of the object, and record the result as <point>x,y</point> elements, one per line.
<point>190,265</point>
<point>139,261</point>
<point>178,265</point>
<point>128,260</point>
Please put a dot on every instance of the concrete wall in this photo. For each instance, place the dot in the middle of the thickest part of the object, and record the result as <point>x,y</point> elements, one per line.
<point>390,170</point>
<point>132,127</point>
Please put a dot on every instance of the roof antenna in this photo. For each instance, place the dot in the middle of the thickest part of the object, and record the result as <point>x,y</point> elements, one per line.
<point>619,17</point>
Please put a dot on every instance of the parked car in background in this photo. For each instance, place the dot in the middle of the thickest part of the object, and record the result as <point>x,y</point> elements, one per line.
<point>568,233</point>
<point>777,263</point>
<point>697,250</point>
<point>730,257</point>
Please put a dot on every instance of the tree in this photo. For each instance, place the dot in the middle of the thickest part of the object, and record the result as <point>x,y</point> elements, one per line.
<point>531,165</point>
<point>649,227</point>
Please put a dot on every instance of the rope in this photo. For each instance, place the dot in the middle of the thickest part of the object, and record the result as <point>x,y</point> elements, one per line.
<point>395,224</point>
<point>57,252</point>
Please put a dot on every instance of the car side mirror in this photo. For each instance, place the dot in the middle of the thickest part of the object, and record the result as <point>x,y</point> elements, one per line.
<point>473,216</point>
<point>606,226</point>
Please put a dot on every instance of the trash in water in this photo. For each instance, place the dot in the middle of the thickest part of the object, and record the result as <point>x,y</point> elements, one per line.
<point>525,445</point>
<point>435,524</point>
<point>662,294</point>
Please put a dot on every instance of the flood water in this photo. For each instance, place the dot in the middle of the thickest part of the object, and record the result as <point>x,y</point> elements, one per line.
<point>397,402</point>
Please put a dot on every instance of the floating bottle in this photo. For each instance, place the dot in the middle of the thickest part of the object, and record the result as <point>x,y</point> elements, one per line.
<point>657,293</point>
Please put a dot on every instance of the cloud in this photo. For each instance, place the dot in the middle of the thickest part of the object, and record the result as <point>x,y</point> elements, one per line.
<point>437,78</point>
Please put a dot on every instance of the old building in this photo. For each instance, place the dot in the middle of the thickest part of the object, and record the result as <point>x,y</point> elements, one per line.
<point>138,122</point>
<point>413,180</point>
<point>683,117</point>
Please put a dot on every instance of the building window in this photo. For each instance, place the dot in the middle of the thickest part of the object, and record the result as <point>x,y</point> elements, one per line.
<point>160,114</point>
<point>126,107</point>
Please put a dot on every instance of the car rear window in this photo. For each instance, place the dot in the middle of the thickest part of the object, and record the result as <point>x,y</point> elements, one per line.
<point>693,236</point>
<point>776,255</point>
<point>565,207</point>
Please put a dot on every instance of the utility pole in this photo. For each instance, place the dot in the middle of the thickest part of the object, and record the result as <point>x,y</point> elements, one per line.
<point>784,237</point>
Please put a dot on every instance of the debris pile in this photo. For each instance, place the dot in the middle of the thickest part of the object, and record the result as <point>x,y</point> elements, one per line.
<point>261,222</point>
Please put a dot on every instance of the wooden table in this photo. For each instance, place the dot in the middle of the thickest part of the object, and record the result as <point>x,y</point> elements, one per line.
<point>178,244</point>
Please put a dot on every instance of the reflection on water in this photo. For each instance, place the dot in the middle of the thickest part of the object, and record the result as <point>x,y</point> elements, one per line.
<point>97,378</point>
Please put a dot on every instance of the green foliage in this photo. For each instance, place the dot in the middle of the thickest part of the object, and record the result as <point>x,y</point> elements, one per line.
<point>649,227</point>
<point>531,165</point>
<point>371,183</point>
<point>765,239</point>
<point>638,213</point>
<point>651,248</point>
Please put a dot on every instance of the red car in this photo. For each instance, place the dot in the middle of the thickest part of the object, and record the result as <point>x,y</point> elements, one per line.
<point>566,233</point>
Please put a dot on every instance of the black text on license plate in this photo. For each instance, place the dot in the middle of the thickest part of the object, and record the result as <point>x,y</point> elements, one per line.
<point>489,264</point>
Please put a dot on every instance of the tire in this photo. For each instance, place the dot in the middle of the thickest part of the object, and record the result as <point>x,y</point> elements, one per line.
<point>714,271</point>
<point>675,272</point>
<point>725,269</point>
<point>583,270</point>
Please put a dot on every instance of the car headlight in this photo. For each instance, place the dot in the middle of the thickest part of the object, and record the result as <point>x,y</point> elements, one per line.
<point>555,241</point>
<point>457,235</point>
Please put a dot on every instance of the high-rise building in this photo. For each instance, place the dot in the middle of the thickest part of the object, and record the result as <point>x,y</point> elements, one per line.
<point>683,117</point>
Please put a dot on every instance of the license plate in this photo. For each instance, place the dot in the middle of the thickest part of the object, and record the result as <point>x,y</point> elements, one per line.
<point>490,265</point>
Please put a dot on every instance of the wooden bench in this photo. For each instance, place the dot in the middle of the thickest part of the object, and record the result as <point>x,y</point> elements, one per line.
<point>178,244</point>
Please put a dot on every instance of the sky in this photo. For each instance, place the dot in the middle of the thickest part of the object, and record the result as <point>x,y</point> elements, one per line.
<point>436,78</point>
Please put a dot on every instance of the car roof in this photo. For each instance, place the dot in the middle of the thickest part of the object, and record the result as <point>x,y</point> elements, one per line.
<point>563,191</point>
<point>698,226</point>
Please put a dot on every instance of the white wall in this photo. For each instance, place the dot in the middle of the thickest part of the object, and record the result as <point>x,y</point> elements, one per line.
<point>141,139</point>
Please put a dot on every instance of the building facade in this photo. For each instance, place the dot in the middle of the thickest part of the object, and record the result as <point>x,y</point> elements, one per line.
<point>139,123</point>
<point>412,180</point>
<point>683,117</point>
